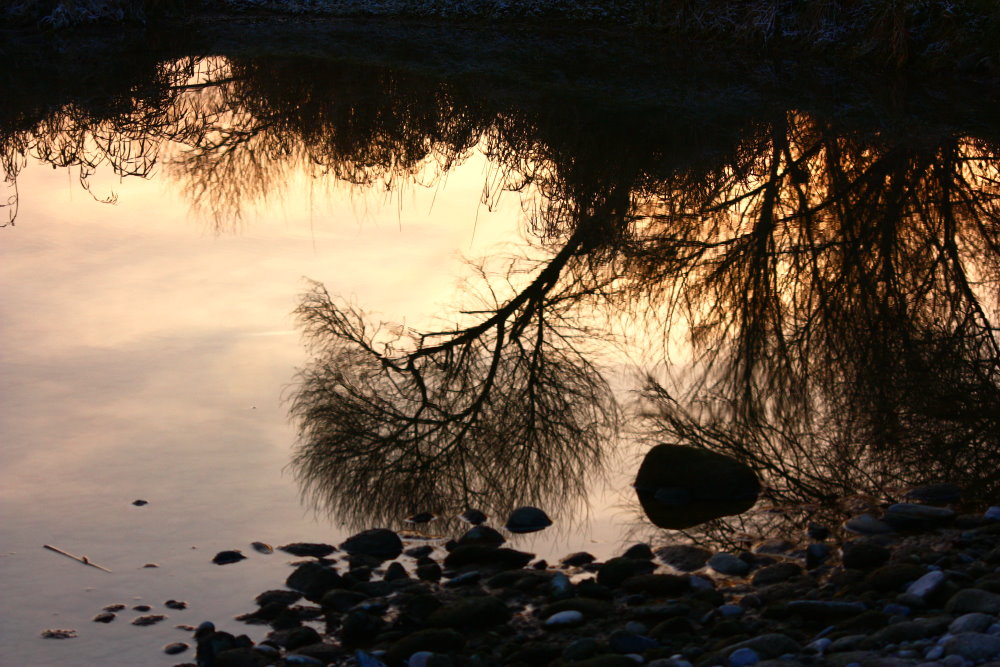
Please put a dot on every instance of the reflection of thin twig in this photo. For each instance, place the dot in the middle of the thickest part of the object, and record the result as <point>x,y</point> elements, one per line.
<point>81,559</point>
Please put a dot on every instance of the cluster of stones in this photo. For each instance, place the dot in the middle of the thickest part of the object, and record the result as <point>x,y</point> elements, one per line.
<point>926,591</point>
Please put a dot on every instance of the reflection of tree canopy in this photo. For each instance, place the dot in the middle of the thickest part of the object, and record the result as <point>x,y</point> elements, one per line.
<point>841,291</point>
<point>836,285</point>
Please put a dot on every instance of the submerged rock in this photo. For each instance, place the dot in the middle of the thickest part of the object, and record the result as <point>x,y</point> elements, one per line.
<point>175,648</point>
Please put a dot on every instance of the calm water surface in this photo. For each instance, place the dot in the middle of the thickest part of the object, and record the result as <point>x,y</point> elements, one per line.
<point>816,299</point>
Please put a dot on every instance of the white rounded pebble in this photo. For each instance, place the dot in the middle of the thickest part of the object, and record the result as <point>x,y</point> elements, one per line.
<point>564,618</point>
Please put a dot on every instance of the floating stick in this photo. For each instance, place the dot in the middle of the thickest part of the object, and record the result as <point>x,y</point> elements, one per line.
<point>81,559</point>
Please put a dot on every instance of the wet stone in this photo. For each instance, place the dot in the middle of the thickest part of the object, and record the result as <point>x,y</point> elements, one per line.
<point>866,524</point>
<point>262,547</point>
<point>927,585</point>
<point>175,648</point>
<point>279,596</point>
<point>58,633</point>
<point>615,571</point>
<point>973,646</point>
<point>421,551</point>
<point>305,549</point>
<point>577,559</point>
<point>104,617</point>
<point>527,520</point>
<point>149,619</point>
<point>475,517</point>
<point>114,607</point>
<point>140,502</point>
<point>974,600</point>
<point>910,516</point>
<point>864,555</point>
<point>683,557</point>
<point>175,604</point>
<point>378,543</point>
<point>622,641</point>
<point>639,551</point>
<point>935,494</point>
<point>727,563</point>
<point>313,579</point>
<point>482,536</point>
<point>228,557</point>
<point>564,619</point>
<point>777,573</point>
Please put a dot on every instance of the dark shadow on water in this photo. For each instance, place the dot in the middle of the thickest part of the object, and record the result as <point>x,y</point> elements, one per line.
<point>813,280</point>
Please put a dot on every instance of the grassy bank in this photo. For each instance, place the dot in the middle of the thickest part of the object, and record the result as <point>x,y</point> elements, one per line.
<point>935,34</point>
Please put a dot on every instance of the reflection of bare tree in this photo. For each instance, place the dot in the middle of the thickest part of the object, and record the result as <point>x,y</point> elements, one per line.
<point>506,411</point>
<point>842,295</point>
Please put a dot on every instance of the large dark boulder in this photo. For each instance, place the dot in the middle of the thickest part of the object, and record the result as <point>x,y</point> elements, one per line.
<point>380,543</point>
<point>313,580</point>
<point>680,486</point>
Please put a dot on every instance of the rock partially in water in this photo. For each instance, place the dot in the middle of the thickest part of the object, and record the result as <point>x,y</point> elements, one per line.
<point>475,517</point>
<point>380,543</point>
<point>491,557</point>
<point>304,549</point>
<point>114,607</point>
<point>104,617</point>
<point>313,579</point>
<point>175,604</point>
<point>527,520</point>
<point>175,648</point>
<point>420,517</point>
<point>262,547</point>
<point>277,596</point>
<point>148,619</point>
<point>141,607</point>
<point>482,535</point>
<point>577,559</point>
<point>228,557</point>
<point>140,502</point>
<point>681,486</point>
<point>57,633</point>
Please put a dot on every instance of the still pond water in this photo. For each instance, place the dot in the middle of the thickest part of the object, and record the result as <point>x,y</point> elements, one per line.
<point>215,285</point>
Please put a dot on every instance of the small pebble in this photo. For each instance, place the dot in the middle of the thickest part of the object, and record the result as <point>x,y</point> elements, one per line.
<point>175,604</point>
<point>104,617</point>
<point>141,607</point>
<point>114,607</point>
<point>262,547</point>
<point>140,502</point>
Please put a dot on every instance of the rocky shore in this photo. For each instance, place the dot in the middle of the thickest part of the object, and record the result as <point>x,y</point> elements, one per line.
<point>918,585</point>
